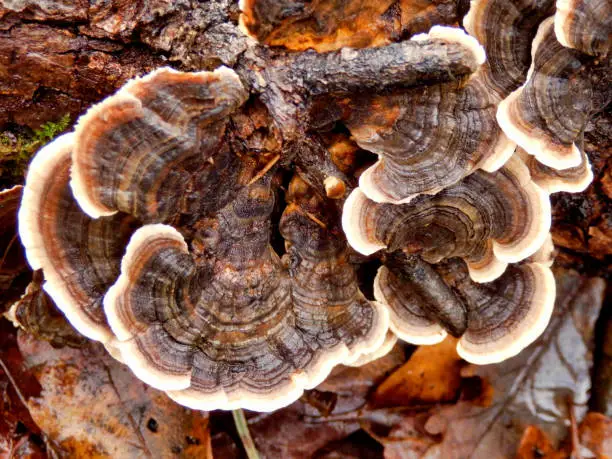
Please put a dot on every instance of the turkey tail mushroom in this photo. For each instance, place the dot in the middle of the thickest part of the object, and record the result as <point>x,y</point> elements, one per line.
<point>79,256</point>
<point>488,219</point>
<point>494,321</point>
<point>235,327</point>
<point>548,113</point>
<point>427,138</point>
<point>178,116</point>
<point>585,25</point>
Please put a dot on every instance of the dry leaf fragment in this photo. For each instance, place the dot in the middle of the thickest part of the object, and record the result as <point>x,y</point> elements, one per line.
<point>92,406</point>
<point>431,375</point>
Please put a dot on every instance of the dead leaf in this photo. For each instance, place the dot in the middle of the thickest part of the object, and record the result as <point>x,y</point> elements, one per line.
<point>92,406</point>
<point>431,375</point>
<point>529,389</point>
<point>595,434</point>
<point>535,444</point>
<point>18,431</point>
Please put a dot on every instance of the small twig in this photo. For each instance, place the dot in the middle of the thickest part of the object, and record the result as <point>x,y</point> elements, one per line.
<point>265,170</point>
<point>575,454</point>
<point>245,436</point>
<point>13,383</point>
<point>8,248</point>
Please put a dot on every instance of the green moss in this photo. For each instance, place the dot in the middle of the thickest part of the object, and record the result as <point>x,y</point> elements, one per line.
<point>16,151</point>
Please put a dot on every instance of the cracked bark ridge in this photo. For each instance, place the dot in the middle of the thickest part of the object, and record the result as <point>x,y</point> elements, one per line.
<point>76,53</point>
<point>287,82</point>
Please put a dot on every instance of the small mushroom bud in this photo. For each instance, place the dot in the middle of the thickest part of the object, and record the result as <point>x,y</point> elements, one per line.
<point>334,187</point>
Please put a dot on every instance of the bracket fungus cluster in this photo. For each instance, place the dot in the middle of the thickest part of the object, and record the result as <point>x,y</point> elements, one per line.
<point>202,226</point>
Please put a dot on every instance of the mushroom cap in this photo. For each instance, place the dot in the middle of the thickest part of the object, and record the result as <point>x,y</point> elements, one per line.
<point>547,114</point>
<point>427,138</point>
<point>488,219</point>
<point>236,328</point>
<point>505,28</point>
<point>585,25</point>
<point>500,318</point>
<point>571,180</point>
<point>80,256</point>
<point>143,149</point>
<point>198,304</point>
<point>507,315</point>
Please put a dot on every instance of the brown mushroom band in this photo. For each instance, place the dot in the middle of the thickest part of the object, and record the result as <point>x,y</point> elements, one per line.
<point>494,321</point>
<point>200,305</point>
<point>584,25</point>
<point>427,138</point>
<point>79,256</point>
<point>488,219</point>
<point>506,28</point>
<point>233,323</point>
<point>148,150</point>
<point>547,115</point>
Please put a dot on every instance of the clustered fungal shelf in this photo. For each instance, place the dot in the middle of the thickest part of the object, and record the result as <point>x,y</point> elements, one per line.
<point>197,225</point>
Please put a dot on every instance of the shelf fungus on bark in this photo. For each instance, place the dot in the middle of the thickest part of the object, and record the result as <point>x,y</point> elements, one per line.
<point>488,219</point>
<point>585,25</point>
<point>233,327</point>
<point>197,303</point>
<point>548,113</point>
<point>506,28</point>
<point>167,117</point>
<point>427,138</point>
<point>79,255</point>
<point>494,321</point>
<point>571,180</point>
<point>328,25</point>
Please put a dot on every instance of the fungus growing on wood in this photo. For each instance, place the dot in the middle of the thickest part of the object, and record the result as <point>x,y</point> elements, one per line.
<point>427,138</point>
<point>584,25</point>
<point>11,257</point>
<point>571,180</point>
<point>494,321</point>
<point>79,256</point>
<point>488,219</point>
<point>505,28</point>
<point>202,306</point>
<point>548,113</point>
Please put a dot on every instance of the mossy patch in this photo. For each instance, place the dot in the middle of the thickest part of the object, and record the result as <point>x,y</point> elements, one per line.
<point>16,150</point>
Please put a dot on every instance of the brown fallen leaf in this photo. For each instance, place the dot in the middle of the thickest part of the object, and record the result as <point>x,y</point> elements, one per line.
<point>535,444</point>
<point>92,406</point>
<point>18,431</point>
<point>431,375</point>
<point>530,389</point>
<point>595,434</point>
